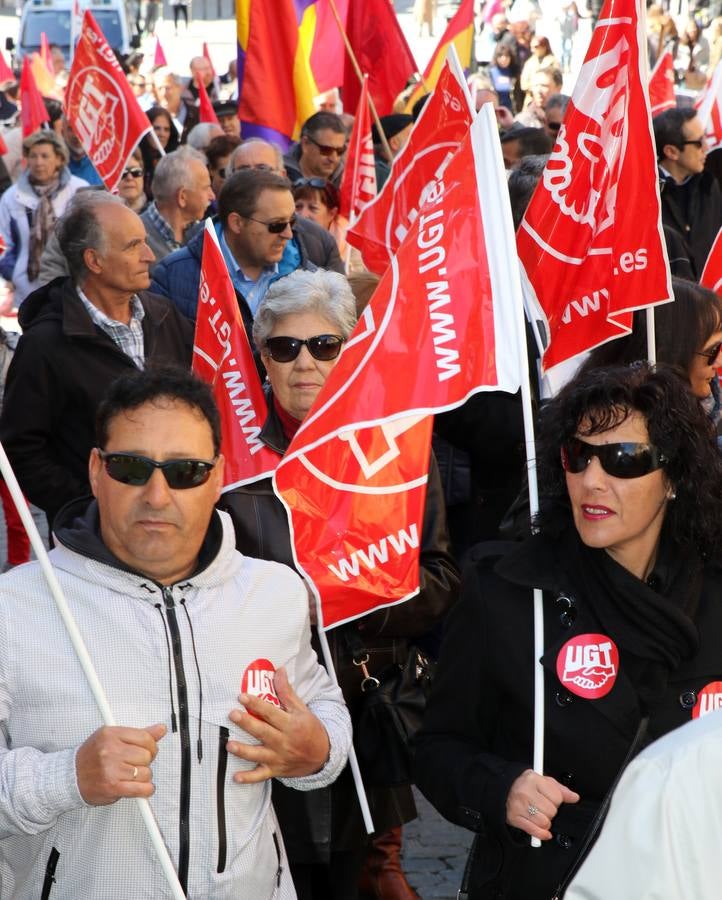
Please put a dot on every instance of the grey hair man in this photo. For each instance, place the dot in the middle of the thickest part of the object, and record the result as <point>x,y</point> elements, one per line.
<point>182,193</point>
<point>79,333</point>
<point>255,153</point>
<point>200,136</point>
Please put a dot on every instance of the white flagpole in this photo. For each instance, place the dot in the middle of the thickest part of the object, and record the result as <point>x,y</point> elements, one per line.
<point>85,661</point>
<point>501,248</point>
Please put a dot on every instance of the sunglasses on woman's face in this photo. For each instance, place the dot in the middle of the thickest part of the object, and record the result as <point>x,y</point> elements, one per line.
<point>711,353</point>
<point>627,459</point>
<point>180,474</point>
<point>323,347</point>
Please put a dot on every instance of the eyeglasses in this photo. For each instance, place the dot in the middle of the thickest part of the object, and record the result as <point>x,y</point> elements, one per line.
<point>554,126</point>
<point>319,183</point>
<point>711,353</point>
<point>274,227</point>
<point>262,167</point>
<point>180,474</point>
<point>624,460</point>
<point>135,172</point>
<point>323,347</point>
<point>698,143</point>
<point>327,149</point>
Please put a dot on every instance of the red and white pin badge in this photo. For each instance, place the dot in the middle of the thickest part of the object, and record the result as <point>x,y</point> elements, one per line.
<point>588,664</point>
<point>708,700</point>
<point>258,681</point>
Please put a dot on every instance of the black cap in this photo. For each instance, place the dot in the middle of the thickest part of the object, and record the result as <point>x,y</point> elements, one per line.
<point>225,107</point>
<point>391,125</point>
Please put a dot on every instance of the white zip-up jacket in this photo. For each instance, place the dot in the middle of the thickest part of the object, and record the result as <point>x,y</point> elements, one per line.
<point>242,614</point>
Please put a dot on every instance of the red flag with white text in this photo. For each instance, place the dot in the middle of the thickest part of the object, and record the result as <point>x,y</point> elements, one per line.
<point>591,241</point>
<point>354,477</point>
<point>32,109</point>
<point>661,85</point>
<point>222,356</point>
<point>100,105</point>
<point>358,185</point>
<point>709,109</point>
<point>712,274</point>
<point>444,122</point>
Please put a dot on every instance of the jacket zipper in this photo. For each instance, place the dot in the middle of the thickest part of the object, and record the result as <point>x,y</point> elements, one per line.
<point>185,739</point>
<point>223,735</point>
<point>49,879</point>
<point>278,854</point>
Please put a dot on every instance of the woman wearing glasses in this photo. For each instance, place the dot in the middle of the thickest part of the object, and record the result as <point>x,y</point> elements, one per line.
<point>300,328</point>
<point>626,557</point>
<point>130,189</point>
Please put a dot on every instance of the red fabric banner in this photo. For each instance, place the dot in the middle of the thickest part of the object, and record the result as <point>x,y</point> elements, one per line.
<point>45,54</point>
<point>355,474</point>
<point>435,138</point>
<point>222,356</point>
<point>6,73</point>
<point>712,274</point>
<point>661,85</point>
<point>32,109</point>
<point>709,109</point>
<point>206,113</point>
<point>358,186</point>
<point>207,56</point>
<point>328,53</point>
<point>591,242</point>
<point>100,105</point>
<point>159,55</point>
<point>382,53</point>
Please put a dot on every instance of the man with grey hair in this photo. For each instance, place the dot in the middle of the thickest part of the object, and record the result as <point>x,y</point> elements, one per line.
<point>181,194</point>
<point>79,334</point>
<point>255,153</point>
<point>200,136</point>
<point>169,90</point>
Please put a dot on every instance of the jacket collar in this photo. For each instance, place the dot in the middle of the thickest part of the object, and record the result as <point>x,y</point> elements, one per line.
<point>77,321</point>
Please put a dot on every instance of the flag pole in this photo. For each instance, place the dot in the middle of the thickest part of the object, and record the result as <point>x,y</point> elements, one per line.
<point>359,73</point>
<point>651,337</point>
<point>86,663</point>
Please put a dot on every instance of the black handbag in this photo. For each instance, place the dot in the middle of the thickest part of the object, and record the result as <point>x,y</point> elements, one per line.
<point>391,710</point>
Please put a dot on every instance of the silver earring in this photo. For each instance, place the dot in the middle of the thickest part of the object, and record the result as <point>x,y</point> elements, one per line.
<point>672,496</point>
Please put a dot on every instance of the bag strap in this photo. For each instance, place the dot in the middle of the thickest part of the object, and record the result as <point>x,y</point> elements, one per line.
<point>360,657</point>
<point>601,813</point>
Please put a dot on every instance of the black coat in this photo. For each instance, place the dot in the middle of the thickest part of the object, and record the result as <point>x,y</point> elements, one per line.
<point>694,210</point>
<point>317,822</point>
<point>61,370</point>
<point>477,736</point>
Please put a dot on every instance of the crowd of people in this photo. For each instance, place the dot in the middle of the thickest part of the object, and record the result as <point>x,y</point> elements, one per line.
<point>204,635</point>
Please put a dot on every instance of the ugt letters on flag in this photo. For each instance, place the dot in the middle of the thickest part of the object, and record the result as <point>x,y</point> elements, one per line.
<point>100,105</point>
<point>591,242</point>
<point>354,476</point>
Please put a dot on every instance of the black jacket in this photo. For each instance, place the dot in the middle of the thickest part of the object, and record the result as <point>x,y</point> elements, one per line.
<point>477,735</point>
<point>314,823</point>
<point>694,210</point>
<point>61,370</point>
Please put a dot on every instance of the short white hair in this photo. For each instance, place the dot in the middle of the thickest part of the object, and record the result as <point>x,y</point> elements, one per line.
<point>173,173</point>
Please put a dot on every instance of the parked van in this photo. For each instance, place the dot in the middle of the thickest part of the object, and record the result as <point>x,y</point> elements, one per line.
<point>54,18</point>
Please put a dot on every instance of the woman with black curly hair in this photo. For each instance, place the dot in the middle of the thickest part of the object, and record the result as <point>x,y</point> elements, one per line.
<point>627,559</point>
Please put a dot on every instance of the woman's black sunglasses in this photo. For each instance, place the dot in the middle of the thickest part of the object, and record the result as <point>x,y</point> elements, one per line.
<point>711,353</point>
<point>323,347</point>
<point>624,460</point>
<point>128,468</point>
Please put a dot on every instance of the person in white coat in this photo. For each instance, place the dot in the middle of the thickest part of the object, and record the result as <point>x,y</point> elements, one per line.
<point>661,839</point>
<point>30,208</point>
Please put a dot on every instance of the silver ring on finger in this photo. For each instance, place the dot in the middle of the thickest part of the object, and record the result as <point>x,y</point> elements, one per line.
<point>135,772</point>
<point>532,810</point>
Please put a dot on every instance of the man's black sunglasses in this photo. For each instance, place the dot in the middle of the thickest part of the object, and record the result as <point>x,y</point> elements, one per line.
<point>275,227</point>
<point>323,347</point>
<point>624,460</point>
<point>129,468</point>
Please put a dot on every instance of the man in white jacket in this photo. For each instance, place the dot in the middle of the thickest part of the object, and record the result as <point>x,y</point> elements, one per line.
<point>206,660</point>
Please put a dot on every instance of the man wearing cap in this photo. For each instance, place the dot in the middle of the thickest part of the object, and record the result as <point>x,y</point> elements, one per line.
<point>397,128</point>
<point>320,152</point>
<point>227,114</point>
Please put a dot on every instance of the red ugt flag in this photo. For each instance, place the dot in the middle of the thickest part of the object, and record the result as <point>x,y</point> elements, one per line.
<point>712,274</point>
<point>444,122</point>
<point>358,186</point>
<point>354,477</point>
<point>661,85</point>
<point>100,105</point>
<point>32,110</point>
<point>591,242</point>
<point>709,109</point>
<point>222,356</point>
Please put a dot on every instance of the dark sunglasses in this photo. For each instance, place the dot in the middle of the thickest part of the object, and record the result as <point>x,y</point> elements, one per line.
<point>323,347</point>
<point>128,468</point>
<point>554,126</point>
<point>134,173</point>
<point>698,143</point>
<point>319,183</point>
<point>624,460</point>
<point>274,227</point>
<point>711,353</point>
<point>327,149</point>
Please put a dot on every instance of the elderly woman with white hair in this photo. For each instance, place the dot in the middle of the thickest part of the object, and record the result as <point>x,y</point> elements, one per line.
<point>299,330</point>
<point>30,208</point>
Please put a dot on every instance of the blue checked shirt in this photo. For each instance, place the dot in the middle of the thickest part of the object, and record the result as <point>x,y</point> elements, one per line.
<point>128,338</point>
<point>163,227</point>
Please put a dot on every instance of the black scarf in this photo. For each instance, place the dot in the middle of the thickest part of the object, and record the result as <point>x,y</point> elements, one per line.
<point>652,621</point>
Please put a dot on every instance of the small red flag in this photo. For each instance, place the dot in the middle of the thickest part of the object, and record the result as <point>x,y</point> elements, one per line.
<point>100,105</point>
<point>442,125</point>
<point>382,52</point>
<point>591,241</point>
<point>709,109</point>
<point>206,113</point>
<point>207,56</point>
<point>222,357</point>
<point>159,56</point>
<point>45,54</point>
<point>358,186</point>
<point>712,274</point>
<point>661,85</point>
<point>6,73</point>
<point>32,108</point>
